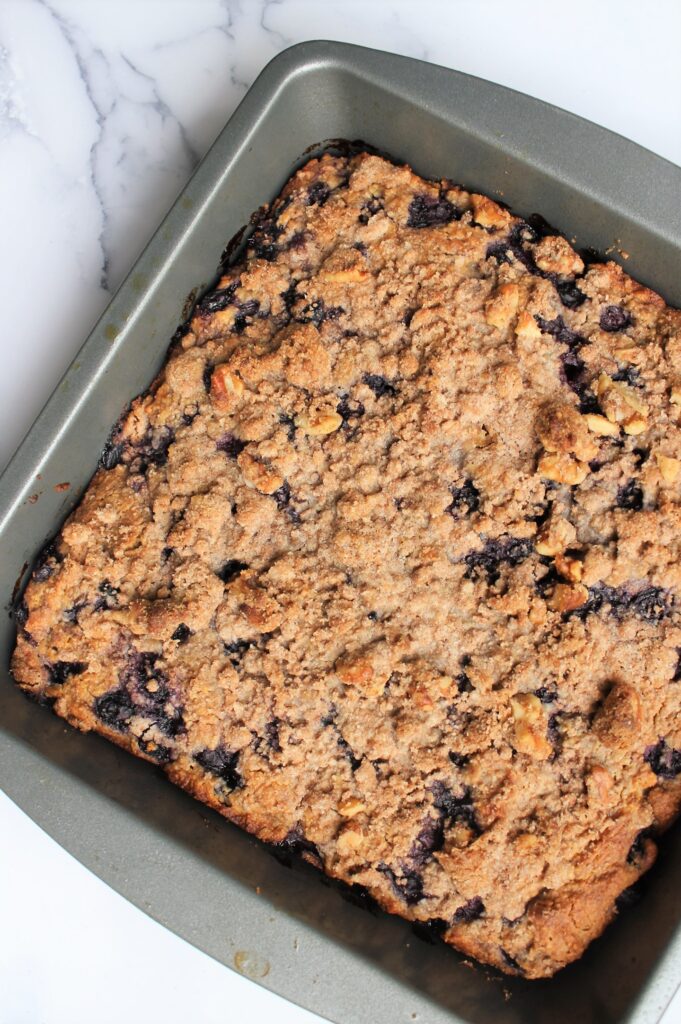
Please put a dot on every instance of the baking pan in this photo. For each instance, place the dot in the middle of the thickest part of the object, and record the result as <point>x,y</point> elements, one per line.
<point>184,865</point>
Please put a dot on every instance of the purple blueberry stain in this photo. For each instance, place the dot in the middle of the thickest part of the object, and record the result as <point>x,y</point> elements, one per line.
<point>664,760</point>
<point>107,597</point>
<point>408,885</point>
<point>272,734</point>
<point>230,445</point>
<point>222,763</point>
<point>458,760</point>
<point>112,454</point>
<point>649,603</point>
<point>514,246</point>
<point>115,709</point>
<point>217,300</point>
<point>630,496</point>
<point>158,752</point>
<point>370,208</point>
<point>316,312</point>
<point>510,961</point>
<point>236,650</point>
<point>380,386</point>
<point>348,409</point>
<point>455,809</point>
<point>282,496</point>
<point>231,569</point>
<point>614,318</point>
<point>427,211</point>
<point>72,613</point>
<point>628,375</point>
<point>59,671</point>
<point>638,847</point>
<point>182,633</point>
<point>290,424</point>
<point>496,553</point>
<point>47,561</point>
<point>471,910</point>
<point>570,295</point>
<point>317,194</point>
<point>465,500</point>
<point>546,694</point>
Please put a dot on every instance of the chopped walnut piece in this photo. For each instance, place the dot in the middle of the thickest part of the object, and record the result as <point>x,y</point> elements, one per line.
<point>503,305</point>
<point>570,568</point>
<point>601,425</point>
<point>225,386</point>
<point>320,423</point>
<point>258,474</point>
<point>530,724</point>
<point>668,467</point>
<point>527,326</point>
<point>556,535</point>
<point>599,784</point>
<point>562,469</point>
<point>566,598</point>
<point>622,404</point>
<point>561,429</point>
<point>351,807</point>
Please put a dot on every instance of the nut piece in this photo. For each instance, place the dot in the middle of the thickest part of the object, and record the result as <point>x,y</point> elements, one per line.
<point>570,568</point>
<point>561,429</point>
<point>562,469</point>
<point>259,475</point>
<point>556,535</point>
<point>619,716</point>
<point>351,807</point>
<point>352,274</point>
<point>503,306</point>
<point>566,599</point>
<point>600,425</point>
<point>675,394</point>
<point>599,783</point>
<point>225,386</point>
<point>349,841</point>
<point>487,213</point>
<point>668,467</point>
<point>622,404</point>
<point>318,424</point>
<point>530,726</point>
<point>527,326</point>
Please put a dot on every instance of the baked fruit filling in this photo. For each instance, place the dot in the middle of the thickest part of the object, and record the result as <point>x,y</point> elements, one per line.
<point>384,566</point>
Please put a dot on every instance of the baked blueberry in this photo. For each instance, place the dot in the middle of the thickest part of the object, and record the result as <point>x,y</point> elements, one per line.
<point>427,211</point>
<point>471,910</point>
<point>221,762</point>
<point>614,318</point>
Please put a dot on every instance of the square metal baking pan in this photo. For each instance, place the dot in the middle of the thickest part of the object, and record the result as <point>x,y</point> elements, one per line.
<point>182,864</point>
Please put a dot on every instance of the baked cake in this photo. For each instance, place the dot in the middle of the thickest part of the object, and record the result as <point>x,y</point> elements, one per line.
<point>384,565</point>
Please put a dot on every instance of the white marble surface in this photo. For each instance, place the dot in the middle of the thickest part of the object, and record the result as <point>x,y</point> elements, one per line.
<point>105,108</point>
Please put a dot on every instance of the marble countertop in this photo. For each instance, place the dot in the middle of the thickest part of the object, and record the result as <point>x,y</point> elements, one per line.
<point>105,109</point>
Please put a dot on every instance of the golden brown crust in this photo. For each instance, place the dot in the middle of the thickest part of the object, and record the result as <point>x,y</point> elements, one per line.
<point>385,564</point>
